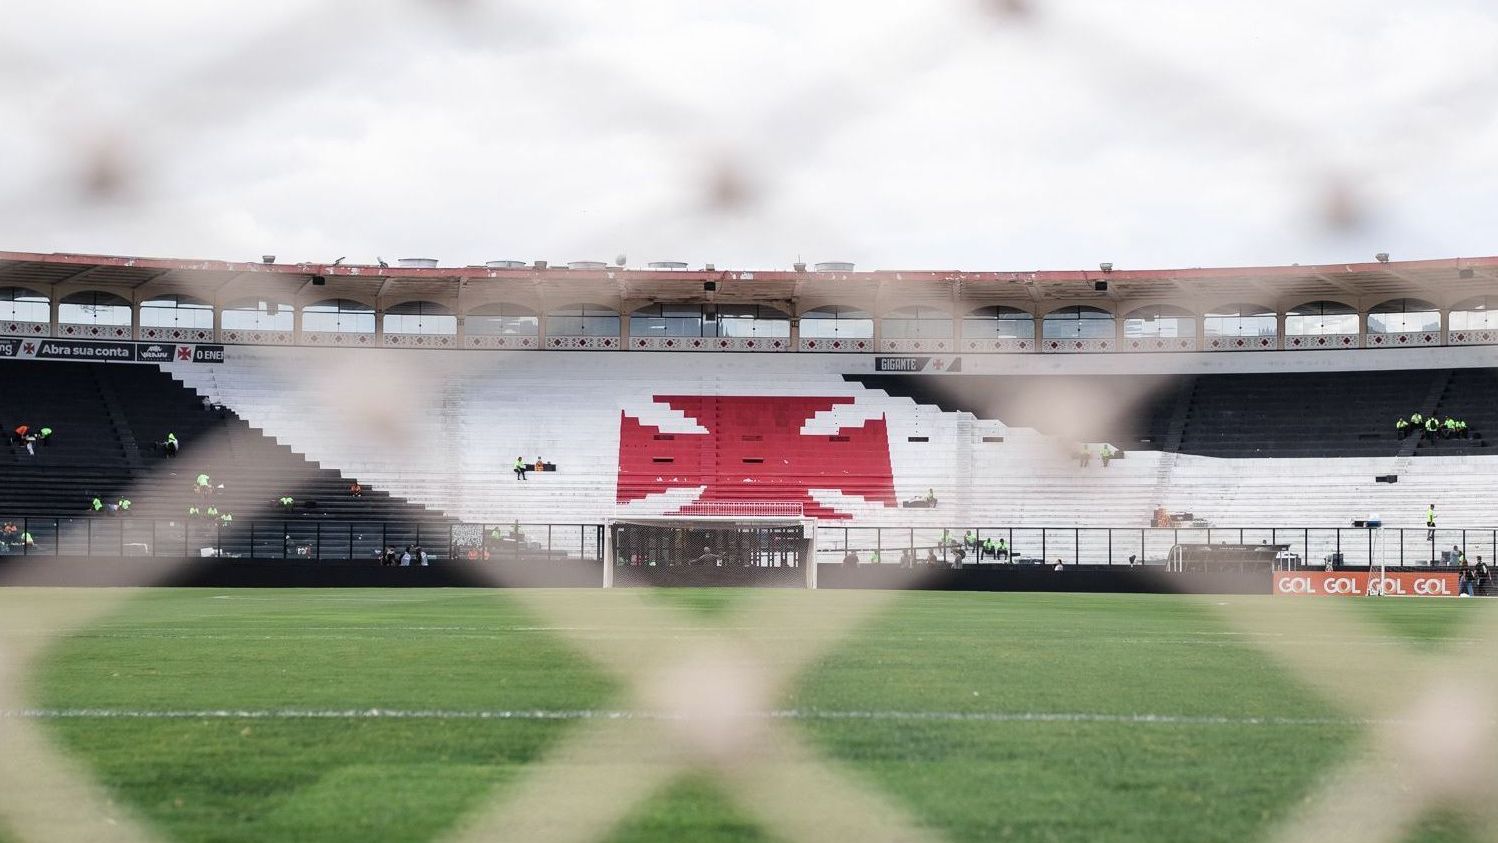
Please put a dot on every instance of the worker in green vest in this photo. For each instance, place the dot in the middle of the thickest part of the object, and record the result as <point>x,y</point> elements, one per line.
<point>226,518</point>
<point>1002,549</point>
<point>97,504</point>
<point>1430,523</point>
<point>171,445</point>
<point>211,512</point>
<point>1431,426</point>
<point>1402,427</point>
<point>193,511</point>
<point>1417,420</point>
<point>124,504</point>
<point>286,502</point>
<point>46,436</point>
<point>1449,428</point>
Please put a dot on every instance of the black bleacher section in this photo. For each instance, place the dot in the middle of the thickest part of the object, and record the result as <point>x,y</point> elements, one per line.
<point>1290,414</point>
<point>107,419</point>
<point>1472,396</point>
<point>1130,412</point>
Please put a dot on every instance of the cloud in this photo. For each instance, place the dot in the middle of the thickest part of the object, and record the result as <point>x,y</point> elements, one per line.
<point>936,135</point>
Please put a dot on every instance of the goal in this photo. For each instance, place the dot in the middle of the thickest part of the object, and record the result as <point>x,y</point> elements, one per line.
<point>765,551</point>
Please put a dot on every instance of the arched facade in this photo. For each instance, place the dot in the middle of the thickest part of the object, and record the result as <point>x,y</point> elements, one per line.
<point>1404,322</point>
<point>583,326</point>
<point>25,312</point>
<point>1473,321</point>
<point>1078,328</point>
<point>998,328</point>
<point>837,327</point>
<point>174,317</point>
<point>258,321</point>
<point>918,328</point>
<point>521,316</point>
<point>95,314</point>
<point>502,325</point>
<point>1160,327</point>
<point>419,323</point>
<point>337,322</point>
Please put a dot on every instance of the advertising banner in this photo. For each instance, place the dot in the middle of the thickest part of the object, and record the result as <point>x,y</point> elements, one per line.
<point>109,351</point>
<point>1355,584</point>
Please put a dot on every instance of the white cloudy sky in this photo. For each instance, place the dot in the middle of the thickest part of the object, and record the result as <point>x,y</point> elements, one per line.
<point>930,134</point>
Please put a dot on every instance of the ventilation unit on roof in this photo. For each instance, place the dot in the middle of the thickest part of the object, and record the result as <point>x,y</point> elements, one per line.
<point>505,264</point>
<point>586,265</point>
<point>667,265</point>
<point>417,263</point>
<point>834,266</point>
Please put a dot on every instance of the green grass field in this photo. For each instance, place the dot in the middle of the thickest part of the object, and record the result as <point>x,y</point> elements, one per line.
<point>1207,771</point>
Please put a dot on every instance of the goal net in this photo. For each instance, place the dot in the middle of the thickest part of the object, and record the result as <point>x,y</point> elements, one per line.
<point>772,551</point>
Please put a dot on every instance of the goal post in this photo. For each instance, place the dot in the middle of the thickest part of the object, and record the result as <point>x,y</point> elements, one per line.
<point>710,550</point>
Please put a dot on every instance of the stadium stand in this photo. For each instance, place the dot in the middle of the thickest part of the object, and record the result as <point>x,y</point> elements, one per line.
<point>108,418</point>
<point>1299,460</point>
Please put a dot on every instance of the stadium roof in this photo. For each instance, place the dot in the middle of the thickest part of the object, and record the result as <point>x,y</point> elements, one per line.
<point>1443,281</point>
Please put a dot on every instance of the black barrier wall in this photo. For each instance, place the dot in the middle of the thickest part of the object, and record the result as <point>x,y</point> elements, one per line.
<point>241,573</point>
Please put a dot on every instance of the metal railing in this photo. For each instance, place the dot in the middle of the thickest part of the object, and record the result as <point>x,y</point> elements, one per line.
<point>1311,547</point>
<point>116,536</point>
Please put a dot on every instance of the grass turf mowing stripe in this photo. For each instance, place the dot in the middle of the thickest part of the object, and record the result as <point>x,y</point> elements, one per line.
<point>601,714</point>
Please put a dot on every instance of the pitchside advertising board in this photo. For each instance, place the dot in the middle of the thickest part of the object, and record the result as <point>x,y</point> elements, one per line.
<point>103,351</point>
<point>1355,584</point>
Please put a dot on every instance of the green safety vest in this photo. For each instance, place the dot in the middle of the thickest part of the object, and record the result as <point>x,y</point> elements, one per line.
<point>213,510</point>
<point>1430,517</point>
<point>97,504</point>
<point>124,503</point>
<point>227,518</point>
<point>192,510</point>
<point>202,480</point>
<point>1416,418</point>
<point>1432,424</point>
<point>1401,424</point>
<point>46,431</point>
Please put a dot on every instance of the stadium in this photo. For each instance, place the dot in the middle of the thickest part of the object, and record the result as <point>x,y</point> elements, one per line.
<point>1099,435</point>
<point>685,495</point>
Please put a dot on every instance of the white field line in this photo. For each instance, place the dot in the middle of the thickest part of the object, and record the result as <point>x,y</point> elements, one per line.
<point>605,714</point>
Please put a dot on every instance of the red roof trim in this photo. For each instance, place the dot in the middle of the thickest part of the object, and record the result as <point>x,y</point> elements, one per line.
<point>1039,277</point>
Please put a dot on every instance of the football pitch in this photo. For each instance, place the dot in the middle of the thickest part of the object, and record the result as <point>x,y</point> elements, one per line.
<point>392,715</point>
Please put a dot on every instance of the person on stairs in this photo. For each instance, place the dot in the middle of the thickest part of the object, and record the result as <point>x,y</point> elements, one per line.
<point>1430,527</point>
<point>1107,454</point>
<point>286,502</point>
<point>1402,427</point>
<point>520,468</point>
<point>171,445</point>
<point>45,436</point>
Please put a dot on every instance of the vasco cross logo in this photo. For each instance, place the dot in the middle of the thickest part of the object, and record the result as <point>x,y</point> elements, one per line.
<point>754,451</point>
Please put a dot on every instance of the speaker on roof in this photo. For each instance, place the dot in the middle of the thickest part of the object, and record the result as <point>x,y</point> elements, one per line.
<point>272,309</point>
<point>1100,286</point>
<point>318,280</point>
<point>709,286</point>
